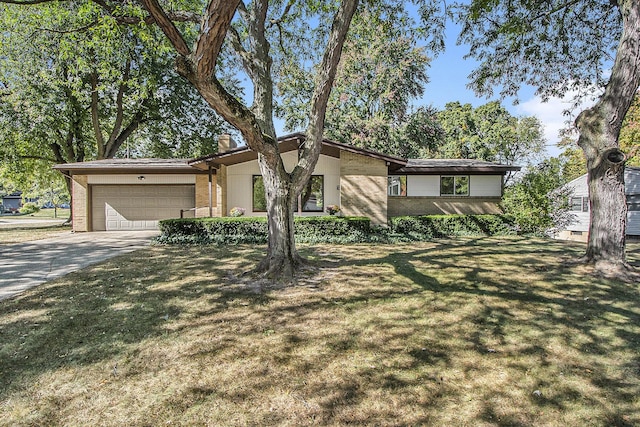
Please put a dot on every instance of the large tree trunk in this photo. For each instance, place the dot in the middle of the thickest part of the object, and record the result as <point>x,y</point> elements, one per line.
<point>256,123</point>
<point>282,258</point>
<point>599,130</point>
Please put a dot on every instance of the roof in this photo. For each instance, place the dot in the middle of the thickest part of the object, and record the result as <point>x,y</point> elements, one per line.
<point>289,143</point>
<point>433,166</point>
<point>123,166</point>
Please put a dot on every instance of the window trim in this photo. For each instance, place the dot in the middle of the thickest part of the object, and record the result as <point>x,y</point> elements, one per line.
<point>406,186</point>
<point>584,204</point>
<point>301,207</point>
<point>253,194</point>
<point>299,201</point>
<point>454,186</point>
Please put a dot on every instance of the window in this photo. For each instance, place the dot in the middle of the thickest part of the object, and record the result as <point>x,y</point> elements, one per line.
<point>454,185</point>
<point>312,196</point>
<point>397,185</point>
<point>579,204</point>
<point>633,202</point>
<point>259,199</point>
<point>311,199</point>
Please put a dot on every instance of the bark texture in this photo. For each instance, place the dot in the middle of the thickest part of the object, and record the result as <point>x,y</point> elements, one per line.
<point>599,130</point>
<point>256,122</point>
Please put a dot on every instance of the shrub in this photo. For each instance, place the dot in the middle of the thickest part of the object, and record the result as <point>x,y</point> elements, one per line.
<point>29,208</point>
<point>229,230</point>
<point>333,229</point>
<point>434,226</point>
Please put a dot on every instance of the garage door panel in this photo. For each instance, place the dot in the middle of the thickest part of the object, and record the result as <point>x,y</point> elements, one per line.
<point>138,207</point>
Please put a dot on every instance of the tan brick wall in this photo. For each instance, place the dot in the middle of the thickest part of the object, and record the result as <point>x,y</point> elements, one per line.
<point>202,196</point>
<point>400,206</point>
<point>363,187</point>
<point>81,203</point>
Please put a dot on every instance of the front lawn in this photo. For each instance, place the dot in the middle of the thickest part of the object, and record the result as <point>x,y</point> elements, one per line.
<point>461,332</point>
<point>29,233</point>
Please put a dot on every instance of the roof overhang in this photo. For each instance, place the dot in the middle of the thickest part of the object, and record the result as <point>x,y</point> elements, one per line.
<point>128,166</point>
<point>454,166</point>
<point>290,143</point>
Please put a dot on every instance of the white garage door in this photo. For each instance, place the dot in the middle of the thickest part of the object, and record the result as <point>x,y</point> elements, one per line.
<point>138,207</point>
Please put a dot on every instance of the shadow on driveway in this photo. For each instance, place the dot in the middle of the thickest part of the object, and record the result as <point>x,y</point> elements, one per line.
<point>25,265</point>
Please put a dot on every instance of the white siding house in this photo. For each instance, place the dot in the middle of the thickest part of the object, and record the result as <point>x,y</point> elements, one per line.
<point>579,206</point>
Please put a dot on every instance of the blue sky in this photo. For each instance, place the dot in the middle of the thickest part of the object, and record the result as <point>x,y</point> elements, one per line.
<point>448,75</point>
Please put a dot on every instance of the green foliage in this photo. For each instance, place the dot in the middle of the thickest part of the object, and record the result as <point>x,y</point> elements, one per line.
<point>334,229</point>
<point>426,227</point>
<point>382,70</point>
<point>572,159</point>
<point>488,133</point>
<point>556,47</point>
<point>29,208</point>
<point>629,138</point>
<point>78,84</point>
<point>229,230</point>
<point>538,202</point>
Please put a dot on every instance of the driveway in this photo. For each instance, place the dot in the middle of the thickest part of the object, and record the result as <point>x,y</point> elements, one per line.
<point>24,265</point>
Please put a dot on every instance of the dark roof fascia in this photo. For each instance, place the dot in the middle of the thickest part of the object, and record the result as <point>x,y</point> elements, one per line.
<point>455,169</point>
<point>441,166</point>
<point>219,158</point>
<point>125,167</point>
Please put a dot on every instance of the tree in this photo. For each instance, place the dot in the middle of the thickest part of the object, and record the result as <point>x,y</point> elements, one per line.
<point>538,201</point>
<point>630,133</point>
<point>572,157</point>
<point>489,133</point>
<point>558,46</point>
<point>381,72</point>
<point>249,39</point>
<point>76,84</point>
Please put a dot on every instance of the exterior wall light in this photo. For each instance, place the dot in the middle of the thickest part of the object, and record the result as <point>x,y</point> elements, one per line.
<point>141,178</point>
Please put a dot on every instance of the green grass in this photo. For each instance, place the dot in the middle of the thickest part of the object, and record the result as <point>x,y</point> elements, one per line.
<point>29,233</point>
<point>42,214</point>
<point>464,332</point>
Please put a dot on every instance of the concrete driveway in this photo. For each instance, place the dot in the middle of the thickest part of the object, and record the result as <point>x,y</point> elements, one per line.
<point>24,265</point>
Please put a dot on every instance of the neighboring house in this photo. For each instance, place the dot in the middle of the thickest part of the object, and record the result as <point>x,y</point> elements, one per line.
<point>12,202</point>
<point>136,193</point>
<point>579,206</point>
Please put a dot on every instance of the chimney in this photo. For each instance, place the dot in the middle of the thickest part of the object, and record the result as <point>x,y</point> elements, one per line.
<point>226,143</point>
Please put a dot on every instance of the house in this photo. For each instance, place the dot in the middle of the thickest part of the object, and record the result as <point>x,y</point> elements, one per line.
<point>12,202</point>
<point>121,194</point>
<point>579,206</point>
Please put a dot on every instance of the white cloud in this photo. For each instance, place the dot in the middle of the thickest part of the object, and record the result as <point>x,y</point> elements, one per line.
<point>552,115</point>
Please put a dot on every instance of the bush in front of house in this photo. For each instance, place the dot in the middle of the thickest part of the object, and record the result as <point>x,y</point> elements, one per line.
<point>29,208</point>
<point>334,229</point>
<point>427,227</point>
<point>230,230</point>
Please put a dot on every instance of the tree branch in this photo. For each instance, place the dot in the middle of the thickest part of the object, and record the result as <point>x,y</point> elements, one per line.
<point>167,26</point>
<point>215,23</point>
<point>326,76</point>
<point>95,119</point>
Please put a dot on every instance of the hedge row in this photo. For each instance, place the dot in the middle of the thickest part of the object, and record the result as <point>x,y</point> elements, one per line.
<point>333,229</point>
<point>434,226</point>
<point>228,230</point>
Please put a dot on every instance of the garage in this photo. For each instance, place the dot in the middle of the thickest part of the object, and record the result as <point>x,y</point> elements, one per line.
<point>137,207</point>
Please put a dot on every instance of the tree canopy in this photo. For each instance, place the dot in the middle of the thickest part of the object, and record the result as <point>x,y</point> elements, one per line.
<point>78,84</point>
<point>559,46</point>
